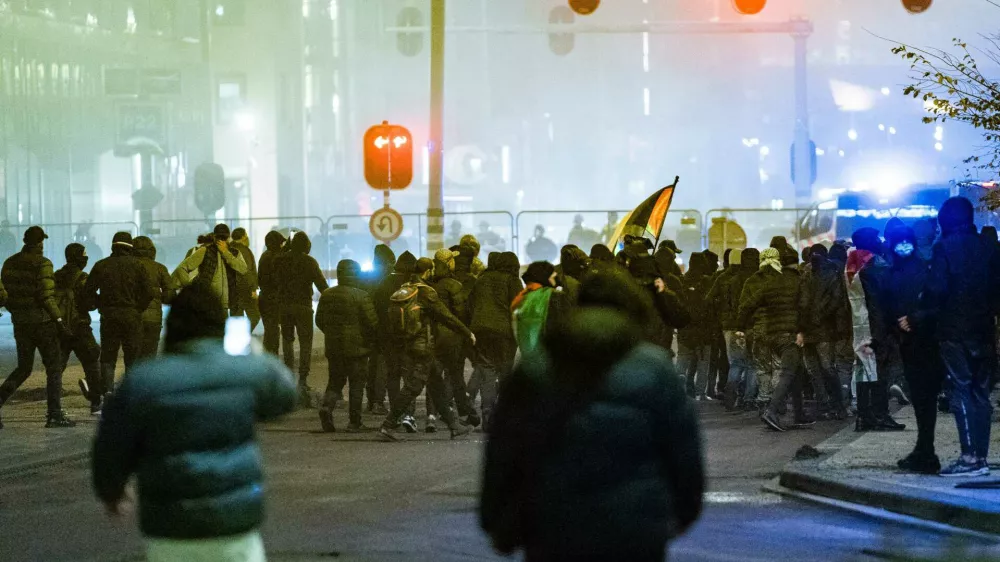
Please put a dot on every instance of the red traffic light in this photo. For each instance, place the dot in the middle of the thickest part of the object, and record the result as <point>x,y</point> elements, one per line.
<point>749,7</point>
<point>917,6</point>
<point>584,7</point>
<point>388,153</point>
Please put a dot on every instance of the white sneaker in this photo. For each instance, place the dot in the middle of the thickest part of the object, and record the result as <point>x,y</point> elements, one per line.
<point>409,424</point>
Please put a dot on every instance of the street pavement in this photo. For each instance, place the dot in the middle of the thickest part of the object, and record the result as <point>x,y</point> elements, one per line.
<point>351,497</point>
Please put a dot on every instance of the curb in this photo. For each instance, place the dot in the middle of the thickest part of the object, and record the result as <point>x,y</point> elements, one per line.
<point>964,513</point>
<point>7,471</point>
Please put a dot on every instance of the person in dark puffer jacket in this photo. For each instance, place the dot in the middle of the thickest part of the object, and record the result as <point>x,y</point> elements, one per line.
<point>184,424</point>
<point>80,340</point>
<point>743,265</point>
<point>299,273</point>
<point>489,306</point>
<point>347,317</point>
<point>383,263</point>
<point>775,294</point>
<point>161,288</point>
<point>595,387</point>
<point>449,346</point>
<point>394,353</point>
<point>38,323</point>
<point>695,340</point>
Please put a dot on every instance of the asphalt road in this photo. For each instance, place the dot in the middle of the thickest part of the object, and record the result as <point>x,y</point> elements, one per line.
<point>349,497</point>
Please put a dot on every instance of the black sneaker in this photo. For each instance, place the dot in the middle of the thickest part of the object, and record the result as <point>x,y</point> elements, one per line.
<point>431,425</point>
<point>772,421</point>
<point>356,428</point>
<point>386,434</point>
<point>59,419</point>
<point>473,420</point>
<point>460,430</point>
<point>886,423</point>
<point>409,424</point>
<point>326,421</point>
<point>963,469</point>
<point>920,464</point>
<point>85,389</point>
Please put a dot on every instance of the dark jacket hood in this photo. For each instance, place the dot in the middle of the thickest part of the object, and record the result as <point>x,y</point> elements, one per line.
<point>349,273</point>
<point>144,248</point>
<point>956,215</point>
<point>589,343</point>
<point>406,263</point>
<point>751,259</point>
<point>273,240</point>
<point>509,263</point>
<point>385,258</point>
<point>301,243</point>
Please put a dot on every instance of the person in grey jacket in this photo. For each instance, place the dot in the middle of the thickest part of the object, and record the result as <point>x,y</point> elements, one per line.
<point>184,424</point>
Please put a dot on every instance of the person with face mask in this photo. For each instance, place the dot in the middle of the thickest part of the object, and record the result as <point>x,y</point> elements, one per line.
<point>920,353</point>
<point>71,283</point>
<point>420,319</point>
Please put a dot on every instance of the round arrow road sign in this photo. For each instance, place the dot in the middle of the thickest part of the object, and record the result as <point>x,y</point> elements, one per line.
<point>386,225</point>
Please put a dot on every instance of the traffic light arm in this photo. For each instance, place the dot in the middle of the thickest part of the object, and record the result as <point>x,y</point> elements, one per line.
<point>792,27</point>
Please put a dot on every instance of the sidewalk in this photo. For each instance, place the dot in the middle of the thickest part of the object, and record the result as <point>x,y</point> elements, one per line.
<point>25,443</point>
<point>861,469</point>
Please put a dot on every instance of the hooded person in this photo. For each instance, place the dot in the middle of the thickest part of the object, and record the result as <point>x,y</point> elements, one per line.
<point>418,311</point>
<point>666,262</point>
<point>346,316</point>
<point>247,285</point>
<point>743,264</point>
<point>120,286</point>
<point>539,308</point>
<point>300,273</point>
<point>925,231</point>
<point>868,290</point>
<point>919,350</point>
<point>471,242</point>
<point>594,384</point>
<point>695,340</point>
<point>668,313</point>
<point>70,290</point>
<point>161,288</point>
<point>216,264</point>
<point>383,262</point>
<point>573,265</point>
<point>824,330</point>
<point>390,379</point>
<point>269,277</point>
<point>489,309</point>
<point>963,293</point>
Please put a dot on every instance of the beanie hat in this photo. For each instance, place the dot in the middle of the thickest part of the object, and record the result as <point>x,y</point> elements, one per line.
<point>221,231</point>
<point>956,213</point>
<point>867,239</point>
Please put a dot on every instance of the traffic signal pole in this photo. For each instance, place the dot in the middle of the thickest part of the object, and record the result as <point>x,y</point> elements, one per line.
<point>803,160</point>
<point>435,195</point>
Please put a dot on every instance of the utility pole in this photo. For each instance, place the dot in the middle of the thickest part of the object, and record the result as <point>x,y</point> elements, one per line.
<point>435,194</point>
<point>803,159</point>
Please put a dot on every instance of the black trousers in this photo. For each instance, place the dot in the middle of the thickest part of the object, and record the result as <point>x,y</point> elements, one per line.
<point>270,315</point>
<point>495,354</point>
<point>43,337</point>
<point>84,345</point>
<point>376,383</point>
<point>297,319</point>
<point>419,372</point>
<point>451,361</point>
<point>395,373</point>
<point>150,340</point>
<point>924,374</point>
<point>969,366</point>
<point>346,371</point>
<point>120,329</point>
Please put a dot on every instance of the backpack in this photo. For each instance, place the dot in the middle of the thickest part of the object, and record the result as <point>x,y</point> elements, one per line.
<point>530,319</point>
<point>406,315</point>
<point>65,295</point>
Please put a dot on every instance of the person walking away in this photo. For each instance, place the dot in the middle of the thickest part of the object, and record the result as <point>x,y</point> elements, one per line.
<point>920,353</point>
<point>695,341</point>
<point>299,273</point>
<point>489,306</point>
<point>824,326</point>
<point>383,263</point>
<point>449,346</point>
<point>38,323</point>
<point>268,279</point>
<point>394,347</point>
<point>868,289</point>
<point>218,265</point>
<point>346,316</point>
<point>962,291</point>
<point>668,312</point>
<point>539,308</point>
<point>162,290</point>
<point>121,289</point>
<point>728,310</point>
<point>414,313</point>
<point>573,264</point>
<point>70,292</point>
<point>184,424</point>
<point>594,385</point>
<point>541,248</point>
<point>775,295</point>
<point>246,285</point>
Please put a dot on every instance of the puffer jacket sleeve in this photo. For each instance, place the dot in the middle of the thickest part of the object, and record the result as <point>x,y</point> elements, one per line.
<point>751,299</point>
<point>440,313</point>
<point>324,311</point>
<point>369,320</point>
<point>46,287</point>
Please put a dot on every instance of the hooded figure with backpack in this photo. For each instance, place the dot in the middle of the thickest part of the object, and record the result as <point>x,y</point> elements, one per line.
<point>392,348</point>
<point>414,312</point>
<point>449,346</point>
<point>71,284</point>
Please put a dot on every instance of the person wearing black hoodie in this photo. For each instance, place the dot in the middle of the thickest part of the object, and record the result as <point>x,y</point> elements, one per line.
<point>920,353</point>
<point>726,295</point>
<point>489,307</point>
<point>595,386</point>
<point>392,349</point>
<point>269,279</point>
<point>824,328</point>
<point>299,273</point>
<point>962,291</point>
<point>669,313</point>
<point>383,263</point>
<point>695,340</point>
<point>71,280</point>
<point>449,346</point>
<point>573,264</point>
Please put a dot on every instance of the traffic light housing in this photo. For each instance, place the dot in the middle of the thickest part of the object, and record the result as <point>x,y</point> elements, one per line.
<point>749,7</point>
<point>917,6</point>
<point>388,151</point>
<point>410,43</point>
<point>209,188</point>
<point>584,7</point>
<point>561,43</point>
